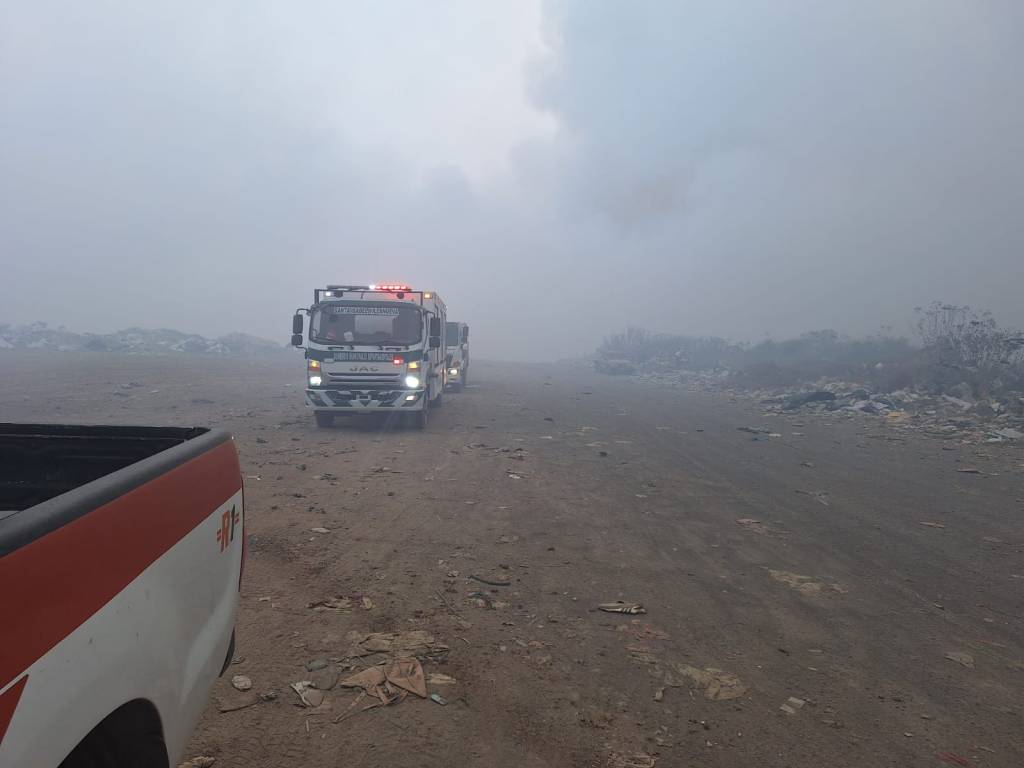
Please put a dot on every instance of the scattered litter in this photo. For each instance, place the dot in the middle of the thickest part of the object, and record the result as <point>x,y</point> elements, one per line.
<point>241,683</point>
<point>804,584</point>
<point>932,525</point>
<point>319,530</point>
<point>819,496</point>
<point>508,539</point>
<point>1009,434</point>
<point>315,664</point>
<point>717,685</point>
<point>416,642</point>
<point>755,430</point>
<point>514,476</point>
<point>331,604</point>
<point>970,471</point>
<point>308,695</point>
<point>953,759</point>
<point>636,760</point>
<point>659,694</point>
<point>438,699</point>
<point>438,678</point>
<point>620,607</point>
<point>792,704</point>
<point>492,582</point>
<point>964,659</point>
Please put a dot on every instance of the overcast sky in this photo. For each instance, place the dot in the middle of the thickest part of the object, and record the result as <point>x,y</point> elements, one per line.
<point>556,170</point>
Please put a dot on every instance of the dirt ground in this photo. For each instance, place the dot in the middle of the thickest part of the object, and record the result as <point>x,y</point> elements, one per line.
<point>847,572</point>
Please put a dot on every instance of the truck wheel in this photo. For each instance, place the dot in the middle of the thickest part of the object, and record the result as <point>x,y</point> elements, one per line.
<point>324,419</point>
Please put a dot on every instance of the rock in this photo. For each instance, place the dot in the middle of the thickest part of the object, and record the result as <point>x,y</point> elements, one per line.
<point>241,683</point>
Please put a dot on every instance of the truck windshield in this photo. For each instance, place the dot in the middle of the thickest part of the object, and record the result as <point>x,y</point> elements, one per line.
<point>451,334</point>
<point>366,323</point>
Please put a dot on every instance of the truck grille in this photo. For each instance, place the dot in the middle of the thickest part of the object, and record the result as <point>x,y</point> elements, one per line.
<point>363,381</point>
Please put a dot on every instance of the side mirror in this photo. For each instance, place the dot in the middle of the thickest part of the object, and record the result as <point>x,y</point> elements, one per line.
<point>297,325</point>
<point>465,335</point>
<point>296,339</point>
<point>435,326</point>
<point>435,342</point>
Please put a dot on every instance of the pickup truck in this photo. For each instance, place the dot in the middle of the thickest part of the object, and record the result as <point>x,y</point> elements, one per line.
<point>121,554</point>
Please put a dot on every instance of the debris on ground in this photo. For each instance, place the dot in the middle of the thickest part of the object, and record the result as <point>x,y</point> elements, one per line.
<point>717,684</point>
<point>438,699</point>
<point>340,603</point>
<point>620,607</point>
<point>969,471</point>
<point>792,705</point>
<point>438,678</point>
<point>315,664</point>
<point>804,584</point>
<point>491,582</point>
<point>319,530</point>
<point>819,496</point>
<point>953,759</point>
<point>309,695</point>
<point>964,659</point>
<point>932,525</point>
<point>241,683</point>
<point>755,430</point>
<point>415,642</point>
<point>387,683</point>
<point>635,760</point>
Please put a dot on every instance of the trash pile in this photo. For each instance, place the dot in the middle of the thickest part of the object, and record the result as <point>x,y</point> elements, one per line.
<point>998,418</point>
<point>134,341</point>
<point>992,420</point>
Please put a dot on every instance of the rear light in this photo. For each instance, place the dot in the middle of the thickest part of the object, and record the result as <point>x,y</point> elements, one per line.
<point>398,360</point>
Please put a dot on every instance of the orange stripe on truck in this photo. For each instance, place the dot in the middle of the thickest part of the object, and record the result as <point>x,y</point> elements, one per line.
<point>55,583</point>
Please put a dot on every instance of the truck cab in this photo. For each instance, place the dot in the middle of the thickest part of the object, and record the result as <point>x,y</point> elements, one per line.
<point>457,354</point>
<point>373,349</point>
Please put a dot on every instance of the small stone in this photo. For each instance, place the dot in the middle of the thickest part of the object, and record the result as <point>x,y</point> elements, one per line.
<point>241,683</point>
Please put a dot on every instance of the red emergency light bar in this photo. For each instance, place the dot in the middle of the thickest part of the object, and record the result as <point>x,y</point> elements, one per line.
<point>390,287</point>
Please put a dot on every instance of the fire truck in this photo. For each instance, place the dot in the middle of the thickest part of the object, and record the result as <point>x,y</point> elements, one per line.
<point>373,349</point>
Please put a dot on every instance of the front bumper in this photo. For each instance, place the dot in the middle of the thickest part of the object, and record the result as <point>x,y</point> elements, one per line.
<point>350,400</point>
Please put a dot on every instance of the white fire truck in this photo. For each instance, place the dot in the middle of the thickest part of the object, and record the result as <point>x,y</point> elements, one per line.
<point>373,349</point>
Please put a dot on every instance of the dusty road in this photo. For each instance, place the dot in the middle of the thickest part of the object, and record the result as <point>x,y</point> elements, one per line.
<point>842,564</point>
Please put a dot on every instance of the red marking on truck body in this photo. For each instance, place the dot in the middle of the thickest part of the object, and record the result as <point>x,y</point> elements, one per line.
<point>67,575</point>
<point>8,703</point>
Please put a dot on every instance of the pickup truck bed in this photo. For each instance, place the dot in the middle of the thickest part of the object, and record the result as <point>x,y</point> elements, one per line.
<point>120,557</point>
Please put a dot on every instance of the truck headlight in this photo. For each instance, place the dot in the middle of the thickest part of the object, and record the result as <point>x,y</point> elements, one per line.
<point>315,381</point>
<point>412,382</point>
<point>453,371</point>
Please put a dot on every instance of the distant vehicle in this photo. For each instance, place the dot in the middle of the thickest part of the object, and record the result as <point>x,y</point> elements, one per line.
<point>121,553</point>
<point>373,349</point>
<point>457,358</point>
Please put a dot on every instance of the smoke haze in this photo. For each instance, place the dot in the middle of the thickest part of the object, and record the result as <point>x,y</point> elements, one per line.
<point>556,171</point>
